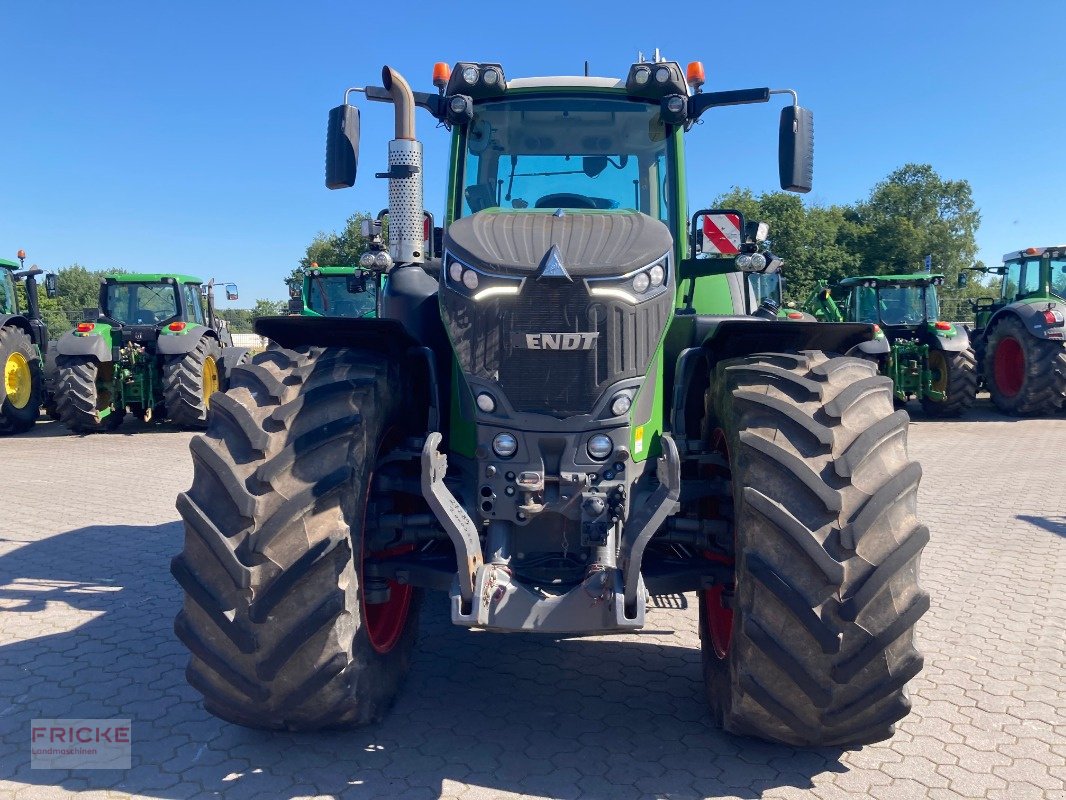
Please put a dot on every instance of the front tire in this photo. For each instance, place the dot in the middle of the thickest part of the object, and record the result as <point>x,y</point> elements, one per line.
<point>956,378</point>
<point>21,381</point>
<point>1025,376</point>
<point>279,630</point>
<point>813,645</point>
<point>189,381</point>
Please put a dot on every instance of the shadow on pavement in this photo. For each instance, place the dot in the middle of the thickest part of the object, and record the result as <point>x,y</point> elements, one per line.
<point>1056,525</point>
<point>599,718</point>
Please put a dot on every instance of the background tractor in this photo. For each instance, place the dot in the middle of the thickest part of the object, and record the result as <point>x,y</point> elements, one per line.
<point>335,292</point>
<point>23,348</point>
<point>150,349</point>
<point>572,409</point>
<point>1019,336</point>
<point>930,359</point>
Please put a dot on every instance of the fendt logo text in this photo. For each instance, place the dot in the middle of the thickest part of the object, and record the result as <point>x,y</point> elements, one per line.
<point>554,341</point>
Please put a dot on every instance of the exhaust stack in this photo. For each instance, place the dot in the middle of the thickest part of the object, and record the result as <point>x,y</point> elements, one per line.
<point>406,233</point>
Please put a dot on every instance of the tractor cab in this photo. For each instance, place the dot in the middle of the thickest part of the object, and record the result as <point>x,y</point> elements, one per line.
<point>7,287</point>
<point>336,292</point>
<point>144,306</point>
<point>897,303</point>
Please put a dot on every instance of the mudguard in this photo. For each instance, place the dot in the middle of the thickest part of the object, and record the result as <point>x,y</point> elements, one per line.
<point>18,321</point>
<point>231,357</point>
<point>732,337</point>
<point>91,345</point>
<point>949,344</point>
<point>178,344</point>
<point>1032,317</point>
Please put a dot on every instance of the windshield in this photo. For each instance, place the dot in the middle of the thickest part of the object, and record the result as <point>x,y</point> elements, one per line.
<point>141,303</point>
<point>902,305</point>
<point>566,152</point>
<point>765,286</point>
<point>7,292</point>
<point>1058,277</point>
<point>328,295</point>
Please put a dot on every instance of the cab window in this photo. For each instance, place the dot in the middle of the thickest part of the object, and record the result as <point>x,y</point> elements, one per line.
<point>1011,281</point>
<point>1058,277</point>
<point>193,301</point>
<point>1031,276</point>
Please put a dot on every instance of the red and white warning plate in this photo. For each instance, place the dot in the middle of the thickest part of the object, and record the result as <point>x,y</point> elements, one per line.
<point>721,234</point>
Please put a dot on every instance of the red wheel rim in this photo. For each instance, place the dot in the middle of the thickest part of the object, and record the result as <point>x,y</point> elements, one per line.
<point>718,619</point>
<point>385,622</point>
<point>1009,366</point>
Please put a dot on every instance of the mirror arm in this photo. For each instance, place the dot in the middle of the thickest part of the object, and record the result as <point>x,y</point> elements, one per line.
<point>698,103</point>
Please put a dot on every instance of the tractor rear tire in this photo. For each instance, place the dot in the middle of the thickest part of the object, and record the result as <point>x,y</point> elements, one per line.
<point>274,616</point>
<point>21,381</point>
<point>189,381</point>
<point>959,384</point>
<point>1024,375</point>
<point>77,400</point>
<point>813,644</point>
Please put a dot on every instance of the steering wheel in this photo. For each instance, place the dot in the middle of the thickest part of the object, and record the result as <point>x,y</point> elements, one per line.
<point>565,200</point>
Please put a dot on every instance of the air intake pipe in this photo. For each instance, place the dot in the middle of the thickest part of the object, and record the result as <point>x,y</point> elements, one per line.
<point>406,232</point>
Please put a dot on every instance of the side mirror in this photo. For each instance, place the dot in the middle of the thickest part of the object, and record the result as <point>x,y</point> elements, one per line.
<point>296,306</point>
<point>357,283</point>
<point>342,147</point>
<point>294,289</point>
<point>231,291</point>
<point>964,280</point>
<point>51,285</point>
<point>593,165</point>
<point>795,149</point>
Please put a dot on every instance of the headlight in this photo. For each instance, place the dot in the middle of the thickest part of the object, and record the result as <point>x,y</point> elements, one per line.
<point>621,403</point>
<point>633,287</point>
<point>491,77</point>
<point>486,402</point>
<point>656,274</point>
<point>600,446</point>
<point>382,260</point>
<point>470,75</point>
<point>366,260</point>
<point>641,283</point>
<point>758,261</point>
<point>456,271</point>
<point>641,75</point>
<point>744,261</point>
<point>470,279</point>
<point>662,75</point>
<point>504,445</point>
<point>477,285</point>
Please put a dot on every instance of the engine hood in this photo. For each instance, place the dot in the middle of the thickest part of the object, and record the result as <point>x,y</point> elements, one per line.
<point>588,244</point>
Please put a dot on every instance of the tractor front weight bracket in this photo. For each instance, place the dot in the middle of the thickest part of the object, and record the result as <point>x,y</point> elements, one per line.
<point>452,517</point>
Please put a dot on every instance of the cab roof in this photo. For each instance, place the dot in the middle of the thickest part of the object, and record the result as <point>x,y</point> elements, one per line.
<point>566,82</point>
<point>332,270</point>
<point>1035,251</point>
<point>150,277</point>
<point>919,278</point>
<point>8,264</point>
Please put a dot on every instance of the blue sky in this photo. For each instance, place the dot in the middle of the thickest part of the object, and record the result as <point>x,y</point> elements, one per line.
<point>190,136</point>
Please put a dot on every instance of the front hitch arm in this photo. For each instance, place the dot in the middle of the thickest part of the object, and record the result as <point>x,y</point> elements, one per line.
<point>451,515</point>
<point>639,529</point>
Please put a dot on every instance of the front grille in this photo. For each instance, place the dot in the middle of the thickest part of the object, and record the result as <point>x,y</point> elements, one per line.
<point>558,382</point>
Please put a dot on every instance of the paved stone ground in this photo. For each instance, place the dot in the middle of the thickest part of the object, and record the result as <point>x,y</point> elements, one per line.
<point>86,604</point>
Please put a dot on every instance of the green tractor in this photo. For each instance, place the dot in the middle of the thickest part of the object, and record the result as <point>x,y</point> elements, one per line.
<point>335,292</point>
<point>23,348</point>
<point>930,359</point>
<point>1019,336</point>
<point>148,349</point>
<point>570,411</point>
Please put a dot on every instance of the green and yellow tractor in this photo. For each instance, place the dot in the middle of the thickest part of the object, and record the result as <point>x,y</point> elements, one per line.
<point>335,292</point>
<point>569,411</point>
<point>149,349</point>
<point>1019,336</point>
<point>23,348</point>
<point>930,359</point>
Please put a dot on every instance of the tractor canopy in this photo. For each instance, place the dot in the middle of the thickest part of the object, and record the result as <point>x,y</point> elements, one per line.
<point>339,292</point>
<point>891,300</point>
<point>7,287</point>
<point>1036,274</point>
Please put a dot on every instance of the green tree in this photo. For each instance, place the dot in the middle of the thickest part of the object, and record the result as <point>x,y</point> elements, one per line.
<point>240,319</point>
<point>267,308</point>
<point>333,249</point>
<point>913,213</point>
